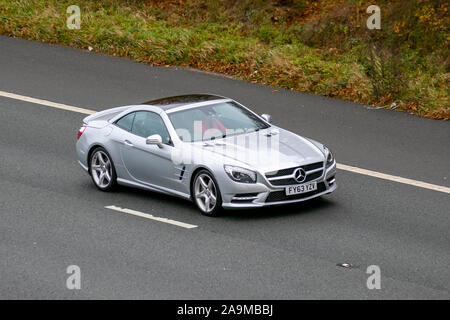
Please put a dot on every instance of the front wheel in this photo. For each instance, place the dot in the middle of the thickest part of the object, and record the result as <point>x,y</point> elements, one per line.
<point>102,170</point>
<point>206,194</point>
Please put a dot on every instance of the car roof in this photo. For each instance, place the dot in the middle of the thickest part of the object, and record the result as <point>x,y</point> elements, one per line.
<point>182,100</point>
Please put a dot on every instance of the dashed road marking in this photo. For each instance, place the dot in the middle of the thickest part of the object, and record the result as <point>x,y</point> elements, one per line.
<point>149,216</point>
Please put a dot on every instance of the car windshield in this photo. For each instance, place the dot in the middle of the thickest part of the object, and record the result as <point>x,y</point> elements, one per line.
<point>214,121</point>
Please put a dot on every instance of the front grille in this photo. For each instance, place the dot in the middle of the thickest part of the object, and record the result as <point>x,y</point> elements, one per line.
<point>312,166</point>
<point>313,176</point>
<point>288,171</point>
<point>281,195</point>
<point>291,181</point>
<point>279,173</point>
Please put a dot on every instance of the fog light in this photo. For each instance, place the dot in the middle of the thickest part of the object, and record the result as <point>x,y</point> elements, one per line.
<point>331,181</point>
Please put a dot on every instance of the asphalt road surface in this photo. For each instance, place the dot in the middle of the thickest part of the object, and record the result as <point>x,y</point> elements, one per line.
<point>52,216</point>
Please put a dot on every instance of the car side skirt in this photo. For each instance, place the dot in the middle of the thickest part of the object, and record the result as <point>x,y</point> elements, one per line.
<point>153,188</point>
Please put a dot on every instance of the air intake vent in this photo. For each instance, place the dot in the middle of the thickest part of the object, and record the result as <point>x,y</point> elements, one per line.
<point>182,172</point>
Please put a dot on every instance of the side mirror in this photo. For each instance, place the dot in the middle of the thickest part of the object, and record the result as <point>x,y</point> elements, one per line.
<point>154,139</point>
<point>266,117</point>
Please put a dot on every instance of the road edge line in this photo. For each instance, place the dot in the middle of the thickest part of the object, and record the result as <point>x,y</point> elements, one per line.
<point>389,177</point>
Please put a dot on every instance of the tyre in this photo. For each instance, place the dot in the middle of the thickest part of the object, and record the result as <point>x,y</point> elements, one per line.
<point>206,194</point>
<point>101,169</point>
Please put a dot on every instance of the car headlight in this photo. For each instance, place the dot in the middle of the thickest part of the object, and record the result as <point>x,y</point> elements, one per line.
<point>329,155</point>
<point>239,174</point>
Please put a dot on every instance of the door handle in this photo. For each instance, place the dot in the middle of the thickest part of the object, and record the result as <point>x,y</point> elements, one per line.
<point>128,143</point>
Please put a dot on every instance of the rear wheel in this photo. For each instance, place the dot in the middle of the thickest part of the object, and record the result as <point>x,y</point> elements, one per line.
<point>102,170</point>
<point>206,194</point>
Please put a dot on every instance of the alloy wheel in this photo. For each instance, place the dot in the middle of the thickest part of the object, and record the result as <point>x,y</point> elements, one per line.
<point>101,169</point>
<point>205,193</point>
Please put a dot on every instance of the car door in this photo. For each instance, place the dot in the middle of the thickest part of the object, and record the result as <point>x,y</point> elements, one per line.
<point>149,164</point>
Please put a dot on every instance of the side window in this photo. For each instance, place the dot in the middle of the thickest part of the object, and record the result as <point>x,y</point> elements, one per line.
<point>148,123</point>
<point>126,122</point>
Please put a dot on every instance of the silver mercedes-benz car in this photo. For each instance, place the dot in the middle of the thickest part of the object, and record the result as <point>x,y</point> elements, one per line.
<point>206,148</point>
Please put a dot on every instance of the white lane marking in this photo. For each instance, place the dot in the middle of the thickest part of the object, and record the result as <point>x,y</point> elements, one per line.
<point>46,103</point>
<point>389,177</point>
<point>149,216</point>
<point>340,166</point>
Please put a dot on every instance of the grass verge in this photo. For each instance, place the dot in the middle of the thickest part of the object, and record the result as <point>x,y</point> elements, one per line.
<point>321,47</point>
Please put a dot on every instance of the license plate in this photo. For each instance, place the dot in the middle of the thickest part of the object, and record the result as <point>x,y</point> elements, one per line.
<point>301,188</point>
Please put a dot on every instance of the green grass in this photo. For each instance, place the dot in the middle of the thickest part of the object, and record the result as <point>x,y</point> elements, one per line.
<point>318,46</point>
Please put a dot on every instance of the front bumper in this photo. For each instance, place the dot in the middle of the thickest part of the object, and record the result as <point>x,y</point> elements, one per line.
<point>262,194</point>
